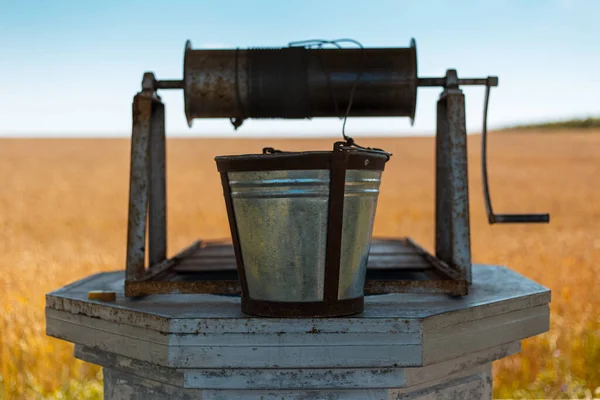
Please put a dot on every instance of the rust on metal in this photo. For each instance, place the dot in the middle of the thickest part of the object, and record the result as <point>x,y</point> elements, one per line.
<point>299,82</point>
<point>147,182</point>
<point>452,236</point>
<point>138,186</point>
<point>308,160</point>
<point>439,264</point>
<point>302,82</point>
<point>143,288</point>
<point>394,266</point>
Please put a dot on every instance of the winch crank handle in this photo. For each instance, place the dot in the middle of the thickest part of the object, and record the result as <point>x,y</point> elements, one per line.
<point>499,218</point>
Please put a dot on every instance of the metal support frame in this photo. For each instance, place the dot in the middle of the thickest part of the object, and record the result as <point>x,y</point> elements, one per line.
<point>452,228</point>
<point>450,272</point>
<point>147,184</point>
<point>412,270</point>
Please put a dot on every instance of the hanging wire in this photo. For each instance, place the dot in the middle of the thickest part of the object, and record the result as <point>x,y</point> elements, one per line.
<point>319,44</point>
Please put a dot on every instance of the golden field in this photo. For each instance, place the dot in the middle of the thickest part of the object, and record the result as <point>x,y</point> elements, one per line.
<point>63,216</point>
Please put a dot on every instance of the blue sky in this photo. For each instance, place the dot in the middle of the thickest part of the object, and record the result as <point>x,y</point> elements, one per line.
<point>70,68</point>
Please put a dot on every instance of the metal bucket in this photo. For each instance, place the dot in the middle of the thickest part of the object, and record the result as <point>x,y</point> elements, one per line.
<point>301,224</point>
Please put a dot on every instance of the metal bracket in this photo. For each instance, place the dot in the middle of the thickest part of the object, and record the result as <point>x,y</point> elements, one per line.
<point>452,226</point>
<point>147,184</point>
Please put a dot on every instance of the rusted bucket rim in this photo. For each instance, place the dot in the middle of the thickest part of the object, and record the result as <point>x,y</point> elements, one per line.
<point>305,160</point>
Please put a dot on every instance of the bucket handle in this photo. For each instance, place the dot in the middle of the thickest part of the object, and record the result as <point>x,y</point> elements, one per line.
<point>352,145</point>
<point>271,150</point>
<point>348,144</point>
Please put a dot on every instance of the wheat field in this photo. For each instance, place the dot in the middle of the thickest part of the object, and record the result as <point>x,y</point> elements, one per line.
<point>63,216</point>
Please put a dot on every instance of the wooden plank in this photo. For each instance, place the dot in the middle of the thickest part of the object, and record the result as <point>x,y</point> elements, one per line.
<point>214,264</point>
<point>168,264</point>
<point>383,247</point>
<point>142,288</point>
<point>385,254</point>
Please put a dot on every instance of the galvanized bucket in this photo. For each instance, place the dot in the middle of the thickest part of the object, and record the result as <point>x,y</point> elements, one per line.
<point>301,225</point>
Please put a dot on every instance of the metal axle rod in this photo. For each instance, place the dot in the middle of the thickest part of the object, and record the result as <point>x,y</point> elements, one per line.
<point>444,81</point>
<point>169,84</point>
<point>423,82</point>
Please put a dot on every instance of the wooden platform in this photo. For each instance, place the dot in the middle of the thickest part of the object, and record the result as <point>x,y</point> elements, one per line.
<point>394,266</point>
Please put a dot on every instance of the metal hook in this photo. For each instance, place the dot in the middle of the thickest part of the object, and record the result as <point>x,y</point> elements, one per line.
<point>236,122</point>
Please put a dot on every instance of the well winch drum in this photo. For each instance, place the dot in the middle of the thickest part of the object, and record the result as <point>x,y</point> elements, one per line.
<point>301,224</point>
<point>299,82</point>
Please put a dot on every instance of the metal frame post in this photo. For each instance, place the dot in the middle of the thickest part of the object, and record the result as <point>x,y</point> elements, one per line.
<point>147,183</point>
<point>157,189</point>
<point>452,228</point>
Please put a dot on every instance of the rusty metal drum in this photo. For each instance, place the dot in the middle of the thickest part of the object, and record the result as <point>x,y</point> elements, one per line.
<point>294,259</point>
<point>299,82</point>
